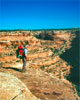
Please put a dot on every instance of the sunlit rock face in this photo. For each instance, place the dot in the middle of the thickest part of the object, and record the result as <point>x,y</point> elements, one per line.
<point>11,88</point>
<point>45,48</point>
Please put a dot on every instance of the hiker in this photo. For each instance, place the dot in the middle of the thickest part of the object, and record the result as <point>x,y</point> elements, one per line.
<point>22,54</point>
<point>24,58</point>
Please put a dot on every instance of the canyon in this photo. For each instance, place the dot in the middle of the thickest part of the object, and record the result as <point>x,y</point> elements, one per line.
<point>47,71</point>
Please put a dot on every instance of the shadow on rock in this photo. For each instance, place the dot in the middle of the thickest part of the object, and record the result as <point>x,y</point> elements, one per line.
<point>72,57</point>
<point>46,35</point>
<point>16,69</point>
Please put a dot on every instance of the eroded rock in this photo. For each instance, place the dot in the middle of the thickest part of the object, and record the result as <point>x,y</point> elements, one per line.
<point>11,88</point>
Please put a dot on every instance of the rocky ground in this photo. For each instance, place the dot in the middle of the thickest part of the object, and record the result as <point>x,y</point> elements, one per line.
<point>46,71</point>
<point>41,84</point>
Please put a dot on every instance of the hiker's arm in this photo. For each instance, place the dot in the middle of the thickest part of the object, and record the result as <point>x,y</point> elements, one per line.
<point>26,57</point>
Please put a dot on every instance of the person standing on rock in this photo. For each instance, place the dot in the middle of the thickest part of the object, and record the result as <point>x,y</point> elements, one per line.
<point>24,58</point>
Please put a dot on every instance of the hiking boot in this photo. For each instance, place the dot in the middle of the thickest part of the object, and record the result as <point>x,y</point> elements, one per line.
<point>23,71</point>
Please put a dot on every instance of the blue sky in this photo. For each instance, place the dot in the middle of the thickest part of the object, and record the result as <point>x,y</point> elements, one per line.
<point>39,14</point>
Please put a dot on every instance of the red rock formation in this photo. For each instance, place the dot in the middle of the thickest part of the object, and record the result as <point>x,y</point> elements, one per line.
<point>40,52</point>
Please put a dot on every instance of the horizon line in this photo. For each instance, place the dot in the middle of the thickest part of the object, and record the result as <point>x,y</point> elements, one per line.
<point>37,29</point>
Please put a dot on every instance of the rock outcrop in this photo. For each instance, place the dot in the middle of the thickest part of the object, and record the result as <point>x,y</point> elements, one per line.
<point>11,88</point>
<point>41,84</point>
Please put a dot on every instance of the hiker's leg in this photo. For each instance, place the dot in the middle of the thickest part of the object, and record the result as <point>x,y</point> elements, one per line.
<point>24,64</point>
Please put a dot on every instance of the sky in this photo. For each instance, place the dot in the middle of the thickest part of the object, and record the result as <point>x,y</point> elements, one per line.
<point>39,14</point>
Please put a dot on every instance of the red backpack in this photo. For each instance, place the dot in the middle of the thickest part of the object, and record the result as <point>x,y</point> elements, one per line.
<point>20,52</point>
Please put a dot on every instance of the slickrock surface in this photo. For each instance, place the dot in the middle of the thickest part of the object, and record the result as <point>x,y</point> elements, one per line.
<point>43,85</point>
<point>11,88</point>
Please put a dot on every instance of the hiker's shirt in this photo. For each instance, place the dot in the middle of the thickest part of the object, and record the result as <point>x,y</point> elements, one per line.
<point>24,53</point>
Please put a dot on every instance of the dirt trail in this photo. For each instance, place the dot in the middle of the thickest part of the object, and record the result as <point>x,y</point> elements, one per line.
<point>43,85</point>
